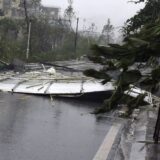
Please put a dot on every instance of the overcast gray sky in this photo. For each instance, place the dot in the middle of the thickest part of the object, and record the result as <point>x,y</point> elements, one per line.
<point>98,11</point>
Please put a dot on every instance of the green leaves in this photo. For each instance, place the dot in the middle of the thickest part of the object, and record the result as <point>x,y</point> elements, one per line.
<point>150,13</point>
<point>102,51</point>
<point>156,74</point>
<point>97,74</point>
<point>152,83</point>
<point>156,30</point>
<point>112,52</point>
<point>138,42</point>
<point>126,62</point>
<point>130,77</point>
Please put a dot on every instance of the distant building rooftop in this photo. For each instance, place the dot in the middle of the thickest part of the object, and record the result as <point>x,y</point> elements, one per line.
<point>15,9</point>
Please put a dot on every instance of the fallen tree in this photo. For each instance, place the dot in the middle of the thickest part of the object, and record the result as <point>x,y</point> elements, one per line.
<point>140,46</point>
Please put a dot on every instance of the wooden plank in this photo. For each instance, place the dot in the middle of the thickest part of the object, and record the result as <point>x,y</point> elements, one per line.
<point>35,85</point>
<point>43,85</point>
<point>48,87</point>
<point>19,83</point>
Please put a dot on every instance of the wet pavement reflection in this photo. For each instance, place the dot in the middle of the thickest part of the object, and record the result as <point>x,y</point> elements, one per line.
<point>33,128</point>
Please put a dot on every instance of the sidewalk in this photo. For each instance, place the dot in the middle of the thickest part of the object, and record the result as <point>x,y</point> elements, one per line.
<point>141,129</point>
<point>134,141</point>
<point>144,130</point>
<point>153,150</point>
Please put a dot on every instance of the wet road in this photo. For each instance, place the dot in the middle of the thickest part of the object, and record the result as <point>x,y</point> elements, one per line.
<point>33,128</point>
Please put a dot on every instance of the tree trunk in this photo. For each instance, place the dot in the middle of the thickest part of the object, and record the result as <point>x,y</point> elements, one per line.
<point>26,14</point>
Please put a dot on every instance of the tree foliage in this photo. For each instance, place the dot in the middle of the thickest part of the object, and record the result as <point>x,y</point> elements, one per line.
<point>48,41</point>
<point>69,13</point>
<point>141,46</point>
<point>149,14</point>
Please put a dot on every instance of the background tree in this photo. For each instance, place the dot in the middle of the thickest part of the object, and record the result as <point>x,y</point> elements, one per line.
<point>49,41</point>
<point>69,13</point>
<point>107,33</point>
<point>36,4</point>
<point>91,34</point>
<point>149,14</point>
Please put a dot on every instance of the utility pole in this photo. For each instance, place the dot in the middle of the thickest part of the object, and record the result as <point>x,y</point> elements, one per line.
<point>28,41</point>
<point>76,36</point>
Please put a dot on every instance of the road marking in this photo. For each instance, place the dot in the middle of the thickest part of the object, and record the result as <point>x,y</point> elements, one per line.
<point>105,148</point>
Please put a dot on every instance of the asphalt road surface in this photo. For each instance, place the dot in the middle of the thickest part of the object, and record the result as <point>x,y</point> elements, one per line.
<point>34,128</point>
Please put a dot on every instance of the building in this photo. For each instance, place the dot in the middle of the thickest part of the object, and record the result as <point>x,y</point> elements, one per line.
<point>9,8</point>
<point>15,9</point>
<point>51,12</point>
